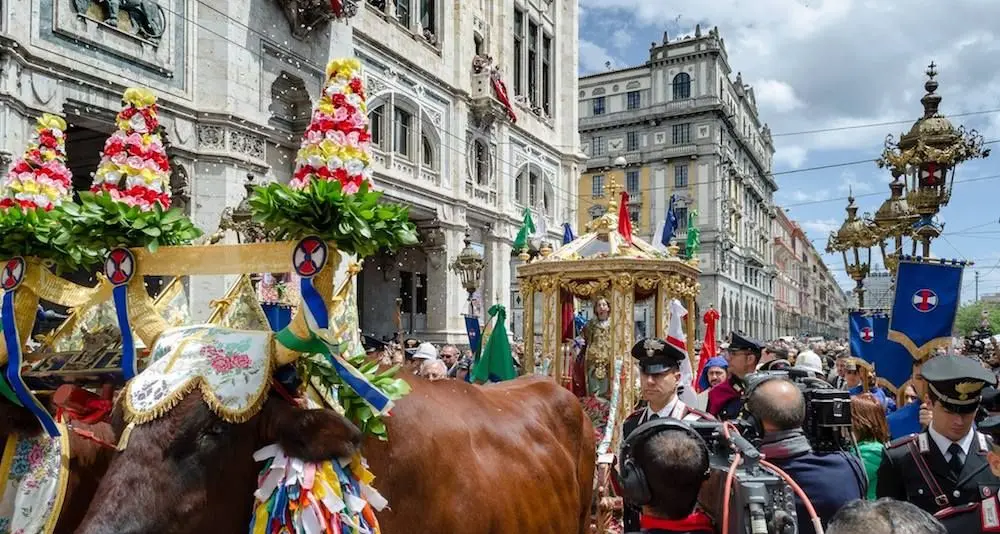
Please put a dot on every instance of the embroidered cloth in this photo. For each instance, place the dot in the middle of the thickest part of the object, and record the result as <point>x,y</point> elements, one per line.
<point>231,368</point>
<point>33,476</point>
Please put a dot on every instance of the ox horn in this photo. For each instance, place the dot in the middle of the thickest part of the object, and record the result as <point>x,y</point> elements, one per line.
<point>299,327</point>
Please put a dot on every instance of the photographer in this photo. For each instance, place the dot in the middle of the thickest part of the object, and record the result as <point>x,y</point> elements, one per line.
<point>777,409</point>
<point>663,465</point>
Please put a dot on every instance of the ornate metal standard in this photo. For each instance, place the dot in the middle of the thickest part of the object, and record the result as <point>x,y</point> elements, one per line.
<point>893,222</point>
<point>856,236</point>
<point>240,220</point>
<point>469,266</point>
<point>927,157</point>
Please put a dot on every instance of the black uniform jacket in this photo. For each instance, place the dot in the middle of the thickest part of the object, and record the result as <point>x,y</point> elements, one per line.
<point>913,469</point>
<point>681,412</point>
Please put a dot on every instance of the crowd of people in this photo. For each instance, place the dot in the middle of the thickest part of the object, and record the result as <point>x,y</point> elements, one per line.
<point>422,358</point>
<point>944,477</point>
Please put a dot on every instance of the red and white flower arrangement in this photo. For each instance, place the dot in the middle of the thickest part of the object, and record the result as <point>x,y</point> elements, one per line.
<point>337,144</point>
<point>134,168</point>
<point>40,178</point>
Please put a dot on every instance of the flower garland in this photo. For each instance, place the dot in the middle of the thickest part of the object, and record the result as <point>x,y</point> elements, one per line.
<point>40,178</point>
<point>134,168</point>
<point>337,144</point>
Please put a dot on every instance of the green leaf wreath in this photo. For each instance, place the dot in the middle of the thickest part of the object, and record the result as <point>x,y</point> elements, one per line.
<point>36,233</point>
<point>358,223</point>
<point>99,222</point>
<point>355,409</point>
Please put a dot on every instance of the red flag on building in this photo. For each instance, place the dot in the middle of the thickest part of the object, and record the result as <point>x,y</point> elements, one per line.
<point>624,220</point>
<point>708,348</point>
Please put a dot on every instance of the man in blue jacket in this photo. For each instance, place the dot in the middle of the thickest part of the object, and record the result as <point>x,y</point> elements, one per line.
<point>829,480</point>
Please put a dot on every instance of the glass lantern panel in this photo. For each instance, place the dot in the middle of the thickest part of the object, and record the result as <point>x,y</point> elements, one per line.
<point>598,247</point>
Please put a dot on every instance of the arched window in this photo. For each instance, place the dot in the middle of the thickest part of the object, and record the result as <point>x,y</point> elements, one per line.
<point>427,158</point>
<point>398,126</point>
<point>682,86</point>
<point>482,162</point>
<point>291,104</point>
<point>533,184</point>
<point>519,188</point>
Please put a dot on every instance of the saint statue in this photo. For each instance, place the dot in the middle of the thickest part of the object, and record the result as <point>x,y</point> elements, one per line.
<point>597,353</point>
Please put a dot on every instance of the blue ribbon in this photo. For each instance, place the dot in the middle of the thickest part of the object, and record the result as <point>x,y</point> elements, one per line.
<point>13,373</point>
<point>357,381</point>
<point>314,301</point>
<point>120,294</point>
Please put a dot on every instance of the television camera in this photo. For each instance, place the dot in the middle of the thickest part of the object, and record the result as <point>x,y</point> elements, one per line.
<point>759,500</point>
<point>827,423</point>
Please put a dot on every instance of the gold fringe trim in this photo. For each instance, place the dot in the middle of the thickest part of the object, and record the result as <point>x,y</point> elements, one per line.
<point>147,323</point>
<point>161,408</point>
<point>922,352</point>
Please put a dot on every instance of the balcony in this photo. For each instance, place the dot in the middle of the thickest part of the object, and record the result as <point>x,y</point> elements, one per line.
<point>654,112</point>
<point>396,166</point>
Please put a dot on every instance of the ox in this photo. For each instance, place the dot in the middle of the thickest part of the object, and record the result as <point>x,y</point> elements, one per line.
<point>461,459</point>
<point>88,459</point>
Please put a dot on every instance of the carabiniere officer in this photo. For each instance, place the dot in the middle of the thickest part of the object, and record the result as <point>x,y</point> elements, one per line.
<point>944,469</point>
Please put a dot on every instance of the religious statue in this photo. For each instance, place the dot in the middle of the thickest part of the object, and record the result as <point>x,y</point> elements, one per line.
<point>147,16</point>
<point>597,353</point>
<point>693,235</point>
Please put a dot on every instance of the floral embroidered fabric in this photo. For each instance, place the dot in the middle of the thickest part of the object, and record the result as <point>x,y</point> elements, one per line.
<point>232,369</point>
<point>35,473</point>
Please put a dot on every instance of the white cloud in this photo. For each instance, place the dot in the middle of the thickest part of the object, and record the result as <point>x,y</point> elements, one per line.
<point>594,57</point>
<point>621,39</point>
<point>799,195</point>
<point>850,183</point>
<point>776,95</point>
<point>790,156</point>
<point>820,226</point>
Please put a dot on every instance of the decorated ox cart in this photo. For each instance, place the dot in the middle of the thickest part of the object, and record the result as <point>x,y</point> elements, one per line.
<point>611,272</point>
<point>291,403</point>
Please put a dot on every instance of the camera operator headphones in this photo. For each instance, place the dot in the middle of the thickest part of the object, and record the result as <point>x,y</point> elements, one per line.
<point>754,381</point>
<point>632,479</point>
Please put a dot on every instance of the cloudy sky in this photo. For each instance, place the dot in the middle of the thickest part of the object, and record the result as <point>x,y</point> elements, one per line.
<point>854,68</point>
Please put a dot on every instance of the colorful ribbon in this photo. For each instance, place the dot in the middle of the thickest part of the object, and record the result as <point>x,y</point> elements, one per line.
<point>120,294</point>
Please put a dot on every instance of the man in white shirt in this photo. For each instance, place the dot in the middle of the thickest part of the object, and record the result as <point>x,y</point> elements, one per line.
<point>944,469</point>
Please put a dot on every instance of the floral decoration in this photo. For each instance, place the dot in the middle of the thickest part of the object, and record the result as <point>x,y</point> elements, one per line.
<point>40,178</point>
<point>134,168</point>
<point>337,143</point>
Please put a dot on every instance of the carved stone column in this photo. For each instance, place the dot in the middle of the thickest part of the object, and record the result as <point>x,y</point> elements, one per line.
<point>446,299</point>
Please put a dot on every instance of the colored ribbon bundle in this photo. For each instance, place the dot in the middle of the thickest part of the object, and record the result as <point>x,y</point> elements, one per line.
<point>333,497</point>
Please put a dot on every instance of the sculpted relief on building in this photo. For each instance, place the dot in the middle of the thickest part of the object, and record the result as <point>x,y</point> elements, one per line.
<point>143,18</point>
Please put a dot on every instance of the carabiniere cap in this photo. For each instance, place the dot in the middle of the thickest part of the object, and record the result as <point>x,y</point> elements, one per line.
<point>656,356</point>
<point>957,381</point>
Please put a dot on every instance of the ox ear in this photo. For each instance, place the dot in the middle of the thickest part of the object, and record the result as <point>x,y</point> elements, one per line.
<point>309,435</point>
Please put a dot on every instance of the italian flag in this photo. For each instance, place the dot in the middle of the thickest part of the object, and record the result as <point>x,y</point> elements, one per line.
<point>676,337</point>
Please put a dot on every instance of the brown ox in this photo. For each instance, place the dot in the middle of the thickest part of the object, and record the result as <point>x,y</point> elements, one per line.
<point>461,459</point>
<point>88,460</point>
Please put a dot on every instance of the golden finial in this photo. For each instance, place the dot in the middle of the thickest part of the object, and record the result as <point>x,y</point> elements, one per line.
<point>613,190</point>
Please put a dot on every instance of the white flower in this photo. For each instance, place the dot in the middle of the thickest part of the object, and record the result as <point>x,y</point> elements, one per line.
<point>138,123</point>
<point>353,99</point>
<point>334,163</point>
<point>354,166</point>
<point>57,133</point>
<point>315,161</point>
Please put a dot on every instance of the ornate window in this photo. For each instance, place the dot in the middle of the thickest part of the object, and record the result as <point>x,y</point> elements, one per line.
<point>394,122</point>
<point>682,86</point>
<point>534,60</point>
<point>597,186</point>
<point>291,105</point>
<point>482,162</point>
<point>417,16</point>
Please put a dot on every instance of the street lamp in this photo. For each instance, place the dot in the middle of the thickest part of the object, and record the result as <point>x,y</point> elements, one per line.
<point>927,156</point>
<point>893,222</point>
<point>857,237</point>
<point>469,267</point>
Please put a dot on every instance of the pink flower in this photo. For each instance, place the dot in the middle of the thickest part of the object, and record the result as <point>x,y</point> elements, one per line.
<point>350,188</point>
<point>35,457</point>
<point>241,361</point>
<point>221,365</point>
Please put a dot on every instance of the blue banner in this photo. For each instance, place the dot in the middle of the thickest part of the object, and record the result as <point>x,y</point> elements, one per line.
<point>568,236</point>
<point>475,333</point>
<point>926,301</point>
<point>892,361</point>
<point>862,335</point>
<point>869,335</point>
<point>904,421</point>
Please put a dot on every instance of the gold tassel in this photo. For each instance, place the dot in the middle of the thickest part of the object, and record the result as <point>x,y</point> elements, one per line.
<point>127,433</point>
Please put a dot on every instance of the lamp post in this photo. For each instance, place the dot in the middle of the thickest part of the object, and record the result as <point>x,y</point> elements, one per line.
<point>469,267</point>
<point>927,157</point>
<point>893,222</point>
<point>856,237</point>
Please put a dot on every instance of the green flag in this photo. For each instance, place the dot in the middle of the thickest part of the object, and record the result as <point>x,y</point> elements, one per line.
<point>527,230</point>
<point>693,235</point>
<point>497,361</point>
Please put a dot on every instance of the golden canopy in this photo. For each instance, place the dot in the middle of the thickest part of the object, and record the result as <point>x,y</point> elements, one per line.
<point>602,262</point>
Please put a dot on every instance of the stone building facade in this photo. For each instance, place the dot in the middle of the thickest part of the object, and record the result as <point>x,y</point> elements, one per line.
<point>236,81</point>
<point>690,129</point>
